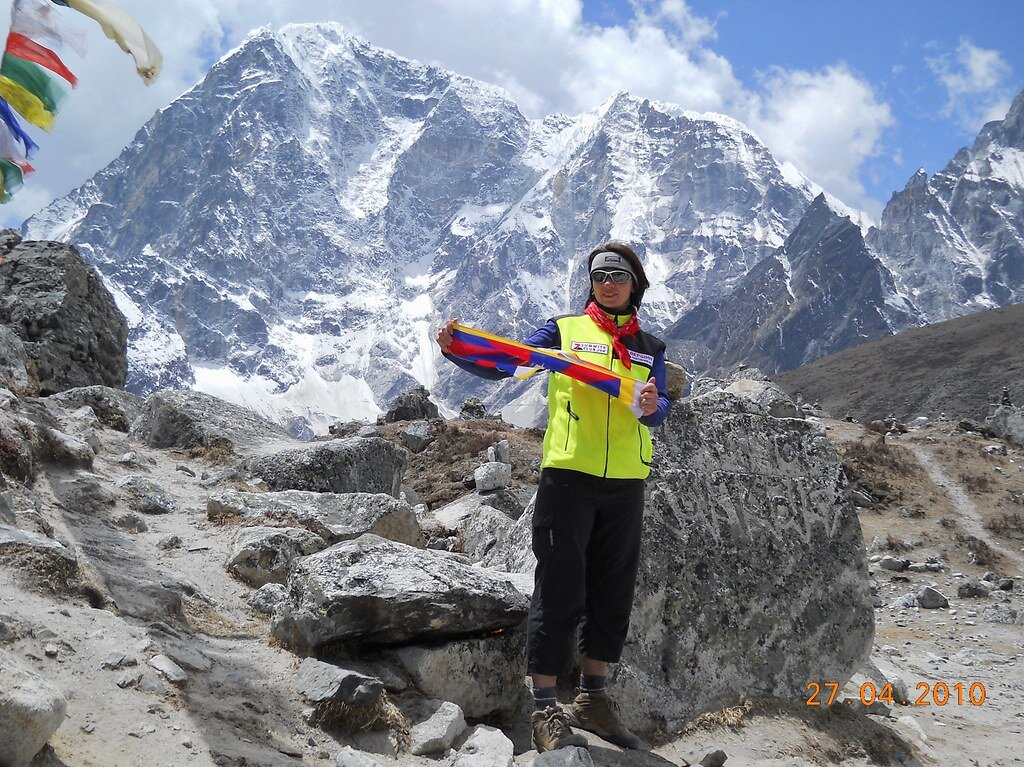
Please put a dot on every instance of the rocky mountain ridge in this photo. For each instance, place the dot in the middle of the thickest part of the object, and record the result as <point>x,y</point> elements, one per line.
<point>346,199</point>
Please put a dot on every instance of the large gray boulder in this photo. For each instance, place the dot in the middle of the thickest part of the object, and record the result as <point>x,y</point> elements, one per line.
<point>1008,422</point>
<point>371,590</point>
<point>753,577</point>
<point>353,465</point>
<point>71,329</point>
<point>14,361</point>
<point>31,710</point>
<point>114,408</point>
<point>261,555</point>
<point>333,516</point>
<point>192,419</point>
<point>483,676</point>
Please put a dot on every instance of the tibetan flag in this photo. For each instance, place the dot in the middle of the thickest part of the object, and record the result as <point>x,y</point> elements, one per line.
<point>522,361</point>
<point>120,27</point>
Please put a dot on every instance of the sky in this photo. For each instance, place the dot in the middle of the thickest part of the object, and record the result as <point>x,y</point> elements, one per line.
<point>858,95</point>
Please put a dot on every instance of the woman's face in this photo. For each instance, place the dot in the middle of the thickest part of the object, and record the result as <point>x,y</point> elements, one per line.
<point>610,295</point>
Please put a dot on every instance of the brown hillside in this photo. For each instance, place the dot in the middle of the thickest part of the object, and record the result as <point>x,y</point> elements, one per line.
<point>956,367</point>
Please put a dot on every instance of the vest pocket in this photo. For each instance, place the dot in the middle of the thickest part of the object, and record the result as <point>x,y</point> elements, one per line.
<point>648,461</point>
<point>568,426</point>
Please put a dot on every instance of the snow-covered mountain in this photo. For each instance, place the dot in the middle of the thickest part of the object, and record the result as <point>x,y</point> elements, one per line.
<point>289,232</point>
<point>955,241</point>
<point>821,292</point>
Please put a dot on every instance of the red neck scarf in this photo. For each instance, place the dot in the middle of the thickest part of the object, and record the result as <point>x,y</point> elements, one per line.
<point>617,332</point>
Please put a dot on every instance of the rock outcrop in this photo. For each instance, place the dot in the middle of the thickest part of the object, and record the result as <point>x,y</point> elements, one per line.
<point>71,330</point>
<point>355,465</point>
<point>335,517</point>
<point>753,578</point>
<point>374,591</point>
<point>31,710</point>
<point>194,420</point>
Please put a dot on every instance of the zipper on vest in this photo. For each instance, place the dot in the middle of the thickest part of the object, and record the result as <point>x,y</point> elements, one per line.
<point>568,428</point>
<point>640,446</point>
<point>607,435</point>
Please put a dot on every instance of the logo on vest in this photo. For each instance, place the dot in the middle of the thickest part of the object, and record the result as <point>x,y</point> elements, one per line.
<point>643,359</point>
<point>586,346</point>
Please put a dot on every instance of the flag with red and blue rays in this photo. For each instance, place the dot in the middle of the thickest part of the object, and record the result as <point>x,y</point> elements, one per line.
<point>521,361</point>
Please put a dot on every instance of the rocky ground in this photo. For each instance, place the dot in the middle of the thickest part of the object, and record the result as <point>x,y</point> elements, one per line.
<point>944,512</point>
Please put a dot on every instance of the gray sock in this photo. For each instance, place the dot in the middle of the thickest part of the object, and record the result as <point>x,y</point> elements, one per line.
<point>544,697</point>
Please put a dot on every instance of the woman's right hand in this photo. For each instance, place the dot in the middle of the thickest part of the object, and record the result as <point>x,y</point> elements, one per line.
<point>444,335</point>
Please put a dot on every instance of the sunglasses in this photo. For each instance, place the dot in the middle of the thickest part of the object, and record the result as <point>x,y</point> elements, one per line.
<point>617,276</point>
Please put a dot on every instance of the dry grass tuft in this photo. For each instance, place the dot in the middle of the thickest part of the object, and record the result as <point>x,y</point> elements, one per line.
<point>1010,525</point>
<point>874,464</point>
<point>351,718</point>
<point>976,483</point>
<point>220,452</point>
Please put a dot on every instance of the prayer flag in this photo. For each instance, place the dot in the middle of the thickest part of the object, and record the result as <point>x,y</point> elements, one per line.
<point>522,361</point>
<point>123,29</point>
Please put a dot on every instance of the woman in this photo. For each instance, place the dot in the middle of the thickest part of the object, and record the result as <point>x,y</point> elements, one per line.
<point>588,514</point>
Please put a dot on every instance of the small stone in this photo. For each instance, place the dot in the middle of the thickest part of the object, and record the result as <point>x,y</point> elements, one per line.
<point>88,729</point>
<point>184,469</point>
<point>128,679</point>
<point>51,650</point>
<point>438,731</point>
<point>169,669</point>
<point>894,564</point>
<point>492,476</point>
<point>169,542</point>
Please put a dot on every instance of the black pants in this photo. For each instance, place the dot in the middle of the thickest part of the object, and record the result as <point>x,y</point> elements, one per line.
<point>586,535</point>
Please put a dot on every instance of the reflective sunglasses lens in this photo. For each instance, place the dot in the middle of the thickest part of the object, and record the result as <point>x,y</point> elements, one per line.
<point>618,277</point>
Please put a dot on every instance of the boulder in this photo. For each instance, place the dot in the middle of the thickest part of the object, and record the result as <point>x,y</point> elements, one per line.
<point>14,361</point>
<point>438,731</point>
<point>1007,422</point>
<point>753,576</point>
<point>70,327</point>
<point>931,599</point>
<point>194,420</point>
<point>322,683</point>
<point>675,380</point>
<point>31,710</point>
<point>41,557</point>
<point>482,531</point>
<point>483,676</point>
<point>334,517</point>
<point>145,496</point>
<point>485,747</point>
<point>115,409</point>
<point>267,597</point>
<point>492,476</point>
<point>416,436</point>
<point>262,555</point>
<point>339,466</point>
<point>377,591</point>
<point>767,395</point>
<point>572,756</point>
<point>412,405</point>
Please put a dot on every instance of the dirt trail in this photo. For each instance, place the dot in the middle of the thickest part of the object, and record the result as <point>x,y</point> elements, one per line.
<point>968,515</point>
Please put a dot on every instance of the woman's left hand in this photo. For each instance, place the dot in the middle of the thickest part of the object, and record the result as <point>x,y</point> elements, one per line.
<point>649,397</point>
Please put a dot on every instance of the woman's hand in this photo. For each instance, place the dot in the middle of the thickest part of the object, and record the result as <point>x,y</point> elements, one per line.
<point>648,396</point>
<point>444,335</point>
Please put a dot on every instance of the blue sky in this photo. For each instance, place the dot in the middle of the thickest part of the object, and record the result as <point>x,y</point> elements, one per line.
<point>901,48</point>
<point>855,95</point>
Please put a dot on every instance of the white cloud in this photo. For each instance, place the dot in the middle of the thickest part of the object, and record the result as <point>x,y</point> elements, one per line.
<point>976,84</point>
<point>827,123</point>
<point>541,51</point>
